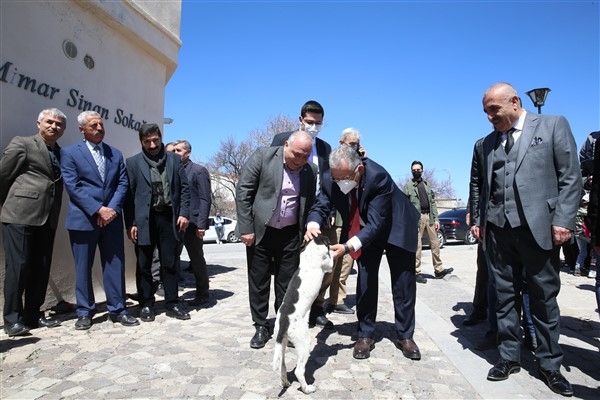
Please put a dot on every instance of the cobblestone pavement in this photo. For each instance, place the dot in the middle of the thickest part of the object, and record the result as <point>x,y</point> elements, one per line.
<point>208,357</point>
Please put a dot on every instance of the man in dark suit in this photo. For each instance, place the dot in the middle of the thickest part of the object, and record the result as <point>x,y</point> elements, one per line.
<point>200,202</point>
<point>525,211</point>
<point>96,181</point>
<point>377,217</point>
<point>275,191</point>
<point>311,121</point>
<point>30,197</point>
<point>157,209</point>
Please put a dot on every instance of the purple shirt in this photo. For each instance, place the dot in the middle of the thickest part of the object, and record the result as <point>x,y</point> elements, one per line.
<point>286,212</point>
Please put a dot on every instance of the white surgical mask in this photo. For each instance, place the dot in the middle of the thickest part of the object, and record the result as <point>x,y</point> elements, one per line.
<point>313,129</point>
<point>346,185</point>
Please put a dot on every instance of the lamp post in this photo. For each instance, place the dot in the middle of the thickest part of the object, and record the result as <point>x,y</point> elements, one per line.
<point>538,96</point>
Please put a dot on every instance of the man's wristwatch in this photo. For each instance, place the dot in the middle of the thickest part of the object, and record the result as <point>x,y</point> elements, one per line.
<point>346,249</point>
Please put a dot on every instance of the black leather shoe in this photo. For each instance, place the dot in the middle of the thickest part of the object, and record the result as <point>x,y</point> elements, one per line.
<point>473,319</point>
<point>440,275</point>
<point>178,312</point>
<point>502,370</point>
<point>16,329</point>
<point>147,314</point>
<point>83,323</point>
<point>421,279</point>
<point>199,300</point>
<point>125,320</point>
<point>323,322</point>
<point>342,309</point>
<point>362,348</point>
<point>557,382</point>
<point>42,322</point>
<point>260,337</point>
<point>409,348</point>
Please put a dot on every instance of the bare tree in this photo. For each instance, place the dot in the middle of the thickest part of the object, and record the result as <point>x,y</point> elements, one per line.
<point>442,189</point>
<point>226,165</point>
<point>277,124</point>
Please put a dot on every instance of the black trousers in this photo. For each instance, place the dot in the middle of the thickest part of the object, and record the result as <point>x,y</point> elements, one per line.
<point>515,256</point>
<point>480,297</point>
<point>161,236</point>
<point>28,252</point>
<point>194,246</point>
<point>283,247</point>
<point>404,289</point>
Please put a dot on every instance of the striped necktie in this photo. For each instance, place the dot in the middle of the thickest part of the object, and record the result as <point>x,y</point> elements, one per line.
<point>99,162</point>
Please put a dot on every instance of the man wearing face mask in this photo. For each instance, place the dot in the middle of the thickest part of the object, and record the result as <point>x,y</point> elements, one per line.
<point>311,121</point>
<point>420,194</point>
<point>377,217</point>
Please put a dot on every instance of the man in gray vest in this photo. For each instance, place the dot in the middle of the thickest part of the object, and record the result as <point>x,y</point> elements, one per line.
<point>526,209</point>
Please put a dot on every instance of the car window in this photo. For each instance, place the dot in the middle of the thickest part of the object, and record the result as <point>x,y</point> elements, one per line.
<point>227,221</point>
<point>211,221</point>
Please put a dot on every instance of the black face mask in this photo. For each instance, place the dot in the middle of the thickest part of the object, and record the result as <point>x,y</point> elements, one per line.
<point>417,174</point>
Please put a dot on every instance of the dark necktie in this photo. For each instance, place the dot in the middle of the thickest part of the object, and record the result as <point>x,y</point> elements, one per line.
<point>354,221</point>
<point>510,140</point>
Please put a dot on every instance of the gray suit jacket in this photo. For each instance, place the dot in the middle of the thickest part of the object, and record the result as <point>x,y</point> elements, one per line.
<point>30,194</point>
<point>139,195</point>
<point>547,176</point>
<point>258,190</point>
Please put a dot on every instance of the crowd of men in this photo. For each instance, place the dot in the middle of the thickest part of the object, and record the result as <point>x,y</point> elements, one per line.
<point>525,191</point>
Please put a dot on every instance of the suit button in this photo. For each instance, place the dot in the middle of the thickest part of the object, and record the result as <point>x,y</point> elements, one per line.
<point>507,211</point>
<point>506,186</point>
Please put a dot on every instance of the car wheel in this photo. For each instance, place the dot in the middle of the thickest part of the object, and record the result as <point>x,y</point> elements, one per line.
<point>232,238</point>
<point>469,238</point>
<point>441,239</point>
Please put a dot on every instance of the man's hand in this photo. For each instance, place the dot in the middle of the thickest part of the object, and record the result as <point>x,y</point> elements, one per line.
<point>200,233</point>
<point>338,250</point>
<point>248,239</point>
<point>476,231</point>
<point>105,216</point>
<point>132,234</point>
<point>560,235</point>
<point>311,233</point>
<point>182,223</point>
<point>436,225</point>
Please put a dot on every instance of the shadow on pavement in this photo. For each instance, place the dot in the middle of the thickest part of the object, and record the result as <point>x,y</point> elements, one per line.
<point>18,341</point>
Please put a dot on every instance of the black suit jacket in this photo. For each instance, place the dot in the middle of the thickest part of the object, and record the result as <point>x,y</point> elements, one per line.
<point>139,195</point>
<point>388,214</point>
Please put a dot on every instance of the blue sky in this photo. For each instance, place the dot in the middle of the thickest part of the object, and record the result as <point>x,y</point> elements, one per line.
<point>408,74</point>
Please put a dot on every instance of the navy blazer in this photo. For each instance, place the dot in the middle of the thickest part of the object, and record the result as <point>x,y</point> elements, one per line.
<point>139,195</point>
<point>200,194</point>
<point>388,215</point>
<point>87,192</point>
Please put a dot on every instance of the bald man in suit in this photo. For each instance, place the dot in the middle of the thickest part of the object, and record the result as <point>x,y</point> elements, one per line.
<point>525,211</point>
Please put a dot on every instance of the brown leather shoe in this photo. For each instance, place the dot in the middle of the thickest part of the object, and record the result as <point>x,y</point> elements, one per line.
<point>409,348</point>
<point>363,347</point>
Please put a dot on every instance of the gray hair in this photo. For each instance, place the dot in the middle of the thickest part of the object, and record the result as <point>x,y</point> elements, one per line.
<point>350,133</point>
<point>344,155</point>
<point>55,112</point>
<point>186,144</point>
<point>82,117</point>
<point>296,135</point>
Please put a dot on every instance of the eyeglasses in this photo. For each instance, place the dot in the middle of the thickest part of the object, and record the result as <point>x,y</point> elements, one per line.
<point>312,122</point>
<point>346,178</point>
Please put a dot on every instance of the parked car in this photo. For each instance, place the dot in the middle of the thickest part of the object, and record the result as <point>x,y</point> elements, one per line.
<point>455,225</point>
<point>229,234</point>
<point>441,237</point>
